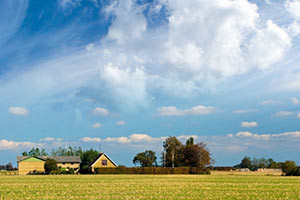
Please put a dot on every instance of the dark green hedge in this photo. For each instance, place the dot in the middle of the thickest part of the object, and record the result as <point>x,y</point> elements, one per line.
<point>151,170</point>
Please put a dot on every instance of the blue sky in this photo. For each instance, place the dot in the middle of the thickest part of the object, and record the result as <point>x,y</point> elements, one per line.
<point>124,75</point>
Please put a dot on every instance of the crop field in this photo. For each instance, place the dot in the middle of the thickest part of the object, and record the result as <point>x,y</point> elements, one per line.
<point>92,187</point>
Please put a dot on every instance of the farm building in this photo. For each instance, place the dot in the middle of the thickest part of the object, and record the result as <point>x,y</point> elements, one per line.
<point>29,164</point>
<point>102,160</point>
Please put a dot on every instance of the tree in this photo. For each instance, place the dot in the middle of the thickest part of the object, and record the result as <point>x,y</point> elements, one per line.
<point>246,163</point>
<point>190,141</point>
<point>86,158</point>
<point>172,154</point>
<point>196,155</point>
<point>50,165</point>
<point>145,159</point>
<point>35,152</point>
<point>70,151</point>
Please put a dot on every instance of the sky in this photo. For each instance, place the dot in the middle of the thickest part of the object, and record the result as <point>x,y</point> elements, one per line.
<point>120,76</point>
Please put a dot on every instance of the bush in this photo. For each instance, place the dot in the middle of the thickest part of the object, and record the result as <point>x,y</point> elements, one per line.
<point>151,170</point>
<point>50,165</point>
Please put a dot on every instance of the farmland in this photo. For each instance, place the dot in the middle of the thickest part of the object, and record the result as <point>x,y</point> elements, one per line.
<point>88,187</point>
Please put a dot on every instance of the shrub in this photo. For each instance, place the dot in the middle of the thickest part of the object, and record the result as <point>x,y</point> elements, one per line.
<point>50,165</point>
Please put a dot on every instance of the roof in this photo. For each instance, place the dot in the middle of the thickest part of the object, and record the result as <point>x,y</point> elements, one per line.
<point>99,156</point>
<point>59,159</point>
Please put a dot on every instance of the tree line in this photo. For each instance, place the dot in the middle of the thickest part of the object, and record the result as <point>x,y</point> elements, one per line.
<point>256,163</point>
<point>289,167</point>
<point>7,167</point>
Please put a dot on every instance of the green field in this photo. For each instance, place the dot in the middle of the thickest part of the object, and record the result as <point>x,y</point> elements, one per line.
<point>216,186</point>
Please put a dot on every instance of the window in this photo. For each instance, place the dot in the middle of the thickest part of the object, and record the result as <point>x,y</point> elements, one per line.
<point>104,162</point>
<point>72,163</point>
<point>63,163</point>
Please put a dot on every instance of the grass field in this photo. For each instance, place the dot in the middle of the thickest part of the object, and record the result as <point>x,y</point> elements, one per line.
<point>86,187</point>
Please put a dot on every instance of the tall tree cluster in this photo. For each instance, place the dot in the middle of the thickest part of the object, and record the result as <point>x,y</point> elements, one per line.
<point>177,154</point>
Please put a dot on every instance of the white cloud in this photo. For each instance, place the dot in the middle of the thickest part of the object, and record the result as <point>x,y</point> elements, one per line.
<point>298,115</point>
<point>6,144</point>
<point>196,110</point>
<point>294,29</point>
<point>293,6</point>
<point>126,84</point>
<point>243,111</point>
<point>129,23</point>
<point>120,123</point>
<point>283,113</point>
<point>294,100</point>
<point>50,139</point>
<point>249,124</point>
<point>21,111</point>
<point>100,111</point>
<point>251,135</point>
<point>89,139</point>
<point>295,134</point>
<point>89,47</point>
<point>269,45</point>
<point>135,61</point>
<point>97,125</point>
<point>270,102</point>
<point>134,138</point>
<point>287,134</point>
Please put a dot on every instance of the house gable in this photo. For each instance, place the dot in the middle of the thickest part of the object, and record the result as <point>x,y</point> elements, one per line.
<point>102,161</point>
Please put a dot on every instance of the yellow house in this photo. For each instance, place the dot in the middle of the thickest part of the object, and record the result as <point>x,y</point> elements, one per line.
<point>32,164</point>
<point>102,160</point>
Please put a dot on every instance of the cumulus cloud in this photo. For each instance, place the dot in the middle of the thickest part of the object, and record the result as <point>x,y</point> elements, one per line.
<point>21,111</point>
<point>295,134</point>
<point>100,111</point>
<point>272,37</point>
<point>120,123</point>
<point>249,124</point>
<point>97,125</point>
<point>90,139</point>
<point>196,110</point>
<point>8,145</point>
<point>201,44</point>
<point>284,113</point>
<point>293,6</point>
<point>294,28</point>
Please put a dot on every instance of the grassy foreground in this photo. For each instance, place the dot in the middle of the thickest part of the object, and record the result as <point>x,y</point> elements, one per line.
<point>88,187</point>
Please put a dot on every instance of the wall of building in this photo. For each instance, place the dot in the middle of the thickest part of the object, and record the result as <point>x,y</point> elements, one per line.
<point>29,165</point>
<point>68,165</point>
